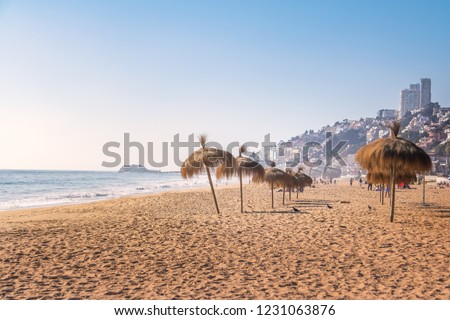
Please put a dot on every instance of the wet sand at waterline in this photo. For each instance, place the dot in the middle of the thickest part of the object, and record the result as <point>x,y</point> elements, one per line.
<point>175,246</point>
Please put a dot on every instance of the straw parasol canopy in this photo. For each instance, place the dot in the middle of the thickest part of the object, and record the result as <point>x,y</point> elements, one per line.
<point>392,160</point>
<point>298,184</point>
<point>384,154</point>
<point>245,167</point>
<point>276,178</point>
<point>294,182</point>
<point>304,179</point>
<point>250,168</point>
<point>203,159</point>
<point>307,180</point>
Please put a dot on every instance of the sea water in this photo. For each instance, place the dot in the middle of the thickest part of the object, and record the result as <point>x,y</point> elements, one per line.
<point>38,188</point>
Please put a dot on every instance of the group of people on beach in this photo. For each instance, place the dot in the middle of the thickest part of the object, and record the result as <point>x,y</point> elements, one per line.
<point>386,189</point>
<point>360,182</point>
<point>326,181</point>
<point>443,184</point>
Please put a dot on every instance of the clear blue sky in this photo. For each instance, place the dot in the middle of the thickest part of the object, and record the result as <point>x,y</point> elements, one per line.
<point>76,74</point>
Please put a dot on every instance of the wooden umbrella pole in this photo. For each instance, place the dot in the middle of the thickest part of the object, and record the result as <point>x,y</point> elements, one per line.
<point>381,191</point>
<point>382,194</point>
<point>240,184</point>
<point>283,195</point>
<point>392,192</point>
<point>272,193</point>
<point>289,194</point>
<point>297,192</point>
<point>212,189</point>
<point>423,187</point>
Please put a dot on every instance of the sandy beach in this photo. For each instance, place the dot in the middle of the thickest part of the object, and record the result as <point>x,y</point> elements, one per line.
<point>174,246</point>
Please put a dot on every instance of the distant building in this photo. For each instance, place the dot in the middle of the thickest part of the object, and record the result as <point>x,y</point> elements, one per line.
<point>435,107</point>
<point>447,132</point>
<point>383,133</point>
<point>387,114</point>
<point>425,92</point>
<point>372,134</point>
<point>410,99</point>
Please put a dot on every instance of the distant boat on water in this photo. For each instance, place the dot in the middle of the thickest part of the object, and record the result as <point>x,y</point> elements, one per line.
<point>136,168</point>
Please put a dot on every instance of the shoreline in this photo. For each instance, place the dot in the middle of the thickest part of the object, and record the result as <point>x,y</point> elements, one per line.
<point>109,198</point>
<point>35,211</point>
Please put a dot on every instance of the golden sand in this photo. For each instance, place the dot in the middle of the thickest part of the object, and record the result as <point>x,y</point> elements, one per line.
<point>174,246</point>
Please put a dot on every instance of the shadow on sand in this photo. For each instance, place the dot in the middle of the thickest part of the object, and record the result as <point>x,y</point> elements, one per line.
<point>276,212</point>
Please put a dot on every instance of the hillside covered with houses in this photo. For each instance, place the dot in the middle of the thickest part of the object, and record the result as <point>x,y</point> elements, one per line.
<point>429,128</point>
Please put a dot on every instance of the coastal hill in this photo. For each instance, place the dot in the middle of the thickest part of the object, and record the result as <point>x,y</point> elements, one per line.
<point>429,128</point>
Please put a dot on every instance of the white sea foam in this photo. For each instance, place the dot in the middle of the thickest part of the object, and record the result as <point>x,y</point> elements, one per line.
<point>26,189</point>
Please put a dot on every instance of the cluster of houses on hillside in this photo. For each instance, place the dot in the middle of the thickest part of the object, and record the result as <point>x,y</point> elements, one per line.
<point>429,128</point>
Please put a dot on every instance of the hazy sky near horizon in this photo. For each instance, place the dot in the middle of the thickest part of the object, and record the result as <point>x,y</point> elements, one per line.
<point>77,74</point>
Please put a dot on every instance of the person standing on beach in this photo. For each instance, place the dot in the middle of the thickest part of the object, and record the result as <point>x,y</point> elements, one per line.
<point>369,187</point>
<point>351,182</point>
<point>388,192</point>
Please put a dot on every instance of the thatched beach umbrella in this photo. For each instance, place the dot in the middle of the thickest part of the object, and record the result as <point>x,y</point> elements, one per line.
<point>297,184</point>
<point>205,158</point>
<point>304,179</point>
<point>245,167</point>
<point>276,178</point>
<point>300,184</point>
<point>391,160</point>
<point>307,179</point>
<point>293,182</point>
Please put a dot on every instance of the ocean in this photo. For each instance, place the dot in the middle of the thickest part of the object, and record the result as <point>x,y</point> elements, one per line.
<point>40,188</point>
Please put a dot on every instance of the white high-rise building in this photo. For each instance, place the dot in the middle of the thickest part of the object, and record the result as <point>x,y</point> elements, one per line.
<point>425,92</point>
<point>410,99</point>
<point>415,87</point>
